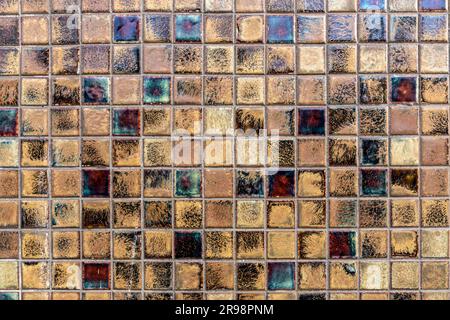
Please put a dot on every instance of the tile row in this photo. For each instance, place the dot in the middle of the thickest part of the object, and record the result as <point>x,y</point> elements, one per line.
<point>215,152</point>
<point>224,60</point>
<point>188,183</point>
<point>225,214</point>
<point>193,28</point>
<point>219,90</point>
<point>224,245</point>
<point>220,6</point>
<point>243,123</point>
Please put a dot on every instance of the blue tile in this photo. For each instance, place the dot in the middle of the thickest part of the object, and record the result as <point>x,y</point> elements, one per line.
<point>372,5</point>
<point>374,183</point>
<point>126,122</point>
<point>433,5</point>
<point>312,122</point>
<point>433,28</point>
<point>7,296</point>
<point>96,90</point>
<point>157,90</point>
<point>8,122</point>
<point>281,276</point>
<point>280,29</point>
<point>96,183</point>
<point>188,183</point>
<point>126,28</point>
<point>374,152</point>
<point>188,28</point>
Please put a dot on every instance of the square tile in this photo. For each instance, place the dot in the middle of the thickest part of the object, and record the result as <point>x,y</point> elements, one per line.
<point>218,28</point>
<point>33,6</point>
<point>126,60</point>
<point>343,275</point>
<point>342,121</point>
<point>280,29</point>
<point>311,183</point>
<point>312,122</point>
<point>250,29</point>
<point>188,28</point>
<point>126,122</point>
<point>374,244</point>
<point>374,182</point>
<point>374,152</point>
<point>249,214</point>
<point>404,244</point>
<point>64,32</point>
<point>10,278</point>
<point>34,91</point>
<point>9,31</point>
<point>373,27</point>
<point>343,213</point>
<point>126,28</point>
<point>404,89</point>
<point>281,276</point>
<point>311,29</point>
<point>342,152</point>
<point>433,28</point>
<point>95,59</point>
<point>157,90</point>
<point>373,89</point>
<point>404,151</point>
<point>96,90</point>
<point>342,59</point>
<point>341,28</point>
<point>65,60</point>
<point>312,213</point>
<point>372,58</point>
<point>404,182</point>
<point>96,28</point>
<point>96,276</point>
<point>10,62</point>
<point>343,245</point>
<point>35,61</point>
<point>311,60</point>
<point>249,6</point>
<point>188,245</point>
<point>404,28</point>
<point>36,275</point>
<point>404,213</point>
<point>399,5</point>
<point>9,126</point>
<point>157,28</point>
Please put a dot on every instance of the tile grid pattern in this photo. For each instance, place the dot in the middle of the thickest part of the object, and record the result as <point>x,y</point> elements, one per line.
<point>340,279</point>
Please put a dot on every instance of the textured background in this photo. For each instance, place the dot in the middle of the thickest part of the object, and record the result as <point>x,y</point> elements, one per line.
<point>224,149</point>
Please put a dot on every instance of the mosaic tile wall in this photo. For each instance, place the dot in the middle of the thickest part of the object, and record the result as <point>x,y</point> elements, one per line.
<point>224,149</point>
